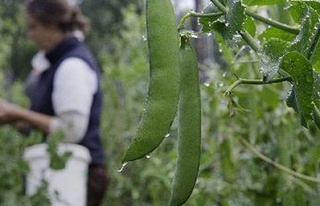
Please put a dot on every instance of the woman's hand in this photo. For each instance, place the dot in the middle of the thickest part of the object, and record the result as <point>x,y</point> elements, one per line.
<point>8,112</point>
<point>11,113</point>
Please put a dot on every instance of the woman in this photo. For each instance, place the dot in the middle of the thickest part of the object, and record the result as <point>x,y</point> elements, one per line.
<point>64,92</point>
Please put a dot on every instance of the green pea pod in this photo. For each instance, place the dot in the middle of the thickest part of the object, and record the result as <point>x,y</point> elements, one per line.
<point>316,116</point>
<point>189,127</point>
<point>163,94</point>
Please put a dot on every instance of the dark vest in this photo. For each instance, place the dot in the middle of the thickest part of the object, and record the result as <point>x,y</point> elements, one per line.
<point>41,101</point>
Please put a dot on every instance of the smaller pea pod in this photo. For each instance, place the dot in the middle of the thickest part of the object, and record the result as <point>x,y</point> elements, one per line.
<point>189,126</point>
<point>316,116</point>
<point>161,105</point>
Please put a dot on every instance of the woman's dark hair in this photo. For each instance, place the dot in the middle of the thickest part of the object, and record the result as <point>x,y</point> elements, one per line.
<point>60,13</point>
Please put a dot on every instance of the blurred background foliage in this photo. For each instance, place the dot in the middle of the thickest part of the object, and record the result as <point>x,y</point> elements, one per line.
<point>230,175</point>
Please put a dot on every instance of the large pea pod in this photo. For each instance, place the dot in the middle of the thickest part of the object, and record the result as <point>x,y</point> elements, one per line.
<point>163,93</point>
<point>189,126</point>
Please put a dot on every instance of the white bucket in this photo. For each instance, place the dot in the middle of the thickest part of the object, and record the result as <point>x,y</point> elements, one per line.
<point>70,183</point>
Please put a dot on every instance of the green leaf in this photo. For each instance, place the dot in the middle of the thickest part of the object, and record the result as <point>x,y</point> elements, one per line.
<point>273,32</point>
<point>315,4</point>
<point>208,22</point>
<point>303,40</point>
<point>219,27</point>
<point>316,88</point>
<point>234,19</point>
<point>292,102</point>
<point>250,26</point>
<point>263,2</point>
<point>300,69</point>
<point>314,51</point>
<point>210,8</point>
<point>297,10</point>
<point>225,50</point>
<point>58,160</point>
<point>227,25</point>
<point>316,58</point>
<point>307,40</point>
<point>223,2</point>
<point>273,50</point>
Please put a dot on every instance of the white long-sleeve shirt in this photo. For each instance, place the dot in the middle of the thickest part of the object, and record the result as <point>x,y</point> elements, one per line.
<point>74,85</point>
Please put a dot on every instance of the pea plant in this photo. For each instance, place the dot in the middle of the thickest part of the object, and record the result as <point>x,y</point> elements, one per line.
<point>286,52</point>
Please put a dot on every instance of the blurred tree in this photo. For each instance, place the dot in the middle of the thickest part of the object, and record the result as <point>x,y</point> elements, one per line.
<point>106,21</point>
<point>16,50</point>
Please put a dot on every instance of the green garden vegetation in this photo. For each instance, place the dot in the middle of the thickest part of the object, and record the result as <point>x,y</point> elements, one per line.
<point>259,110</point>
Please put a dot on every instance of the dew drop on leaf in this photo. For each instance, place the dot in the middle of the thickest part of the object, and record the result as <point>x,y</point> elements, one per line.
<point>224,74</point>
<point>122,167</point>
<point>194,35</point>
<point>287,6</point>
<point>206,84</point>
<point>198,22</point>
<point>144,38</point>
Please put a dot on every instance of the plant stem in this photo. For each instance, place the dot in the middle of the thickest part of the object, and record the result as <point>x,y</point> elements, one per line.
<point>284,27</point>
<point>276,164</point>
<point>255,82</point>
<point>314,43</point>
<point>245,62</point>
<point>183,20</point>
<point>195,14</point>
<point>220,6</point>
<point>250,40</point>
